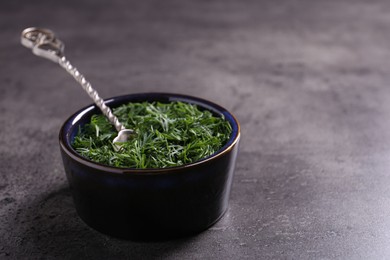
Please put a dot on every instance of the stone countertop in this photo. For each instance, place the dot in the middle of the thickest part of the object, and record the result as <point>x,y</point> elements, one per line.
<point>308,80</point>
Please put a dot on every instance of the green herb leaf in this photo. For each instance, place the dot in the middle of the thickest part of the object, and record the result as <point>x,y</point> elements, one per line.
<point>168,134</point>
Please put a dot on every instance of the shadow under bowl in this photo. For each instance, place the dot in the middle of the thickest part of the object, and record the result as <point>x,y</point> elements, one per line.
<point>150,204</point>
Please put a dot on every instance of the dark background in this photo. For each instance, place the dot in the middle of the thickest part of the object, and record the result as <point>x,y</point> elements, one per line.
<point>308,80</point>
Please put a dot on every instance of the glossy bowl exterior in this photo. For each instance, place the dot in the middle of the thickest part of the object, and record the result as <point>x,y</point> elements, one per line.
<point>150,204</point>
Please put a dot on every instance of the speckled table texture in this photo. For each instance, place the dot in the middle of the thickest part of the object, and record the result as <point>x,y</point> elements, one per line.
<point>309,82</point>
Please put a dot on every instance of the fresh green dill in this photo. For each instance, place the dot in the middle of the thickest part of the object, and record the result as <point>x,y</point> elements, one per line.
<point>168,134</point>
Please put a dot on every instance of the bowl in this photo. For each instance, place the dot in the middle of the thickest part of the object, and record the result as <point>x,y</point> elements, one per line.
<point>150,204</point>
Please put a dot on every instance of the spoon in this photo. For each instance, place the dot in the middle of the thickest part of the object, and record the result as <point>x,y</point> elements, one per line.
<point>44,43</point>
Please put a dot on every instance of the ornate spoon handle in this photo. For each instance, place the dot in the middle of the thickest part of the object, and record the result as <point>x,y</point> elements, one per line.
<point>44,44</point>
<point>91,92</point>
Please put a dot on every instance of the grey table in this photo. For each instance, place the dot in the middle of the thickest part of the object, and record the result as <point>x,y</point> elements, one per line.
<point>308,80</point>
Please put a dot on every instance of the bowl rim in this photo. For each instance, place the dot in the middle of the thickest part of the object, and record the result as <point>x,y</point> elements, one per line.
<point>75,117</point>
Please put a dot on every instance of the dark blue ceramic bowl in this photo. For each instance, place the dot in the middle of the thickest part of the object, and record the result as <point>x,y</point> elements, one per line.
<point>150,204</point>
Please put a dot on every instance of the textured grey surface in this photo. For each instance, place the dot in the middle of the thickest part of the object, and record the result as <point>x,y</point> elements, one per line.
<point>308,80</point>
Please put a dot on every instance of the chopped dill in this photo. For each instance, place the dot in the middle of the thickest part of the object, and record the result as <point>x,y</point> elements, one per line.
<point>168,134</point>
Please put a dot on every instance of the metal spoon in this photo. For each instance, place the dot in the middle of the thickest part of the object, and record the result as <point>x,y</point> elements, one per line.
<point>44,44</point>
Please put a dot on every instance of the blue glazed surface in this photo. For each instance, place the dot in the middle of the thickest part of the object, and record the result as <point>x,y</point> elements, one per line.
<point>150,204</point>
